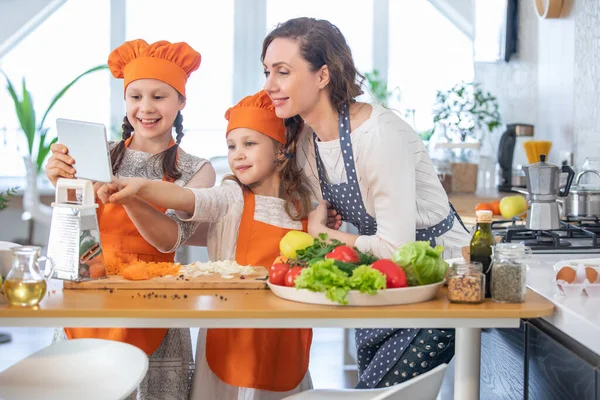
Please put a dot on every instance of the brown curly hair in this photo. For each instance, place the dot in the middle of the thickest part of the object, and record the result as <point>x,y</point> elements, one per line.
<point>166,159</point>
<point>322,43</point>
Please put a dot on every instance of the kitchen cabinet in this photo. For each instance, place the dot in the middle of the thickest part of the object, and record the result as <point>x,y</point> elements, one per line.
<point>557,367</point>
<point>503,363</point>
<point>537,362</point>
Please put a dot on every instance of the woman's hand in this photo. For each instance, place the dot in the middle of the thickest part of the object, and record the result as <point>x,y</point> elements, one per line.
<point>317,219</point>
<point>121,191</point>
<point>59,164</point>
<point>334,219</point>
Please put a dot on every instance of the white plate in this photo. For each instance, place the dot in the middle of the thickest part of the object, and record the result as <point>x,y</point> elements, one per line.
<point>386,297</point>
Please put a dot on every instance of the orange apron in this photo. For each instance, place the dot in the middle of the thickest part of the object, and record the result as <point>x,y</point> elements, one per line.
<point>267,359</point>
<point>121,240</point>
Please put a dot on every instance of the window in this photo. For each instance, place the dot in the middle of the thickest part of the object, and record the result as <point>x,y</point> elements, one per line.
<point>69,42</point>
<point>209,30</point>
<point>426,53</point>
<point>354,18</point>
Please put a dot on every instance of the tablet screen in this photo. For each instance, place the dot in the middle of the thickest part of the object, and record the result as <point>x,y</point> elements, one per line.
<point>87,145</point>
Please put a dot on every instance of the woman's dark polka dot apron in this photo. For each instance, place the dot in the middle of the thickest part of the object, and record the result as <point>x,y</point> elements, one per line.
<point>385,356</point>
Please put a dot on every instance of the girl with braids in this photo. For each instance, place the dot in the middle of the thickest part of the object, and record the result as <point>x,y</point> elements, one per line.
<point>247,216</point>
<point>154,86</point>
<point>370,169</point>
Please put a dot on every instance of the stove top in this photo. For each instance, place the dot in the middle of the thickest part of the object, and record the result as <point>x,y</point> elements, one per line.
<point>574,236</point>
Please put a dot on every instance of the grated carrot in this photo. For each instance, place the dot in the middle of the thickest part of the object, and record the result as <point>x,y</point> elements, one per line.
<point>143,270</point>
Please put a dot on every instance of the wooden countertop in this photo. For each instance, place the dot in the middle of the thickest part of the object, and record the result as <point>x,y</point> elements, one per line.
<point>238,308</point>
<point>464,204</point>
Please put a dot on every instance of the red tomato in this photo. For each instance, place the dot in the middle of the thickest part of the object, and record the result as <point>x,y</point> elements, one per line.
<point>344,253</point>
<point>291,275</point>
<point>277,274</point>
<point>394,274</point>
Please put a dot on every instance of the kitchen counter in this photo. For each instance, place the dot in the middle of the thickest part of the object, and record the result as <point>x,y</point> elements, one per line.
<point>464,204</point>
<point>578,316</point>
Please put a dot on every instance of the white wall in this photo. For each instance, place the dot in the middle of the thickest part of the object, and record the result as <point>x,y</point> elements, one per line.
<point>19,17</point>
<point>515,83</point>
<point>554,82</point>
<point>460,12</point>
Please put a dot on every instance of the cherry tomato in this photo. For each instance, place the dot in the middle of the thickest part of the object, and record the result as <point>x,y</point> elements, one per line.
<point>291,275</point>
<point>344,253</point>
<point>394,274</point>
<point>277,274</point>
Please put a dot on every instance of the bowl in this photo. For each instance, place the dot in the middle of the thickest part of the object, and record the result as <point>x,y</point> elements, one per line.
<point>6,257</point>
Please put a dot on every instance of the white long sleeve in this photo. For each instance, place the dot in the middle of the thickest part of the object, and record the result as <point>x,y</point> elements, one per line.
<point>398,183</point>
<point>214,203</point>
<point>393,193</point>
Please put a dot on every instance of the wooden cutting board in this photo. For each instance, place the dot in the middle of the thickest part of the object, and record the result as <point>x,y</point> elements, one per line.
<point>255,281</point>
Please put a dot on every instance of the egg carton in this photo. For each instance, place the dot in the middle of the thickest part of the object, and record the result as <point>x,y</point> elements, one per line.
<point>575,281</point>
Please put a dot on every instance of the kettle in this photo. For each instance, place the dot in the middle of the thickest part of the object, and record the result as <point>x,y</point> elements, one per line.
<point>542,180</point>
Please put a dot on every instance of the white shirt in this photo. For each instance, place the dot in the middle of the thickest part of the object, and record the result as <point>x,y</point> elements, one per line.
<point>397,180</point>
<point>220,209</point>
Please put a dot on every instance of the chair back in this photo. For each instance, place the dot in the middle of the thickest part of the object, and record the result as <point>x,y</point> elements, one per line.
<point>423,387</point>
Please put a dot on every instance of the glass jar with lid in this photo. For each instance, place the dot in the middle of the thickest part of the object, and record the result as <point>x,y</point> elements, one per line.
<point>509,272</point>
<point>466,282</point>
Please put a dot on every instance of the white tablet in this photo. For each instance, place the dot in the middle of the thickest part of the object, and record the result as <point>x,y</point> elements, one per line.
<point>87,145</point>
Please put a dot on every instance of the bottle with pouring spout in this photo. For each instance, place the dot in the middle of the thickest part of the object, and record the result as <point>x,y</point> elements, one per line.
<point>25,285</point>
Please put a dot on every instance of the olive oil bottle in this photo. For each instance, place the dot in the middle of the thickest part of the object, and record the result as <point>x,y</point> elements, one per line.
<point>24,294</point>
<point>481,246</point>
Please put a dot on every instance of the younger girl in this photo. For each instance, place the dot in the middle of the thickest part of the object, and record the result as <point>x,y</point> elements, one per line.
<point>155,76</point>
<point>248,216</point>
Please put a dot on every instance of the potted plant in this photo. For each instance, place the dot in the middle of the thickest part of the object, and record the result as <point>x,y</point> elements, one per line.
<point>4,197</point>
<point>38,144</point>
<point>378,87</point>
<point>463,116</point>
<point>37,134</point>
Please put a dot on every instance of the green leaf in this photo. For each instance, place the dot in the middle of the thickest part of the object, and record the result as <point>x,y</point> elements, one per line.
<point>21,113</point>
<point>66,88</point>
<point>28,122</point>
<point>43,148</point>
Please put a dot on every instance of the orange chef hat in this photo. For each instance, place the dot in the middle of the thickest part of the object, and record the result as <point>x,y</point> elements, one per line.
<point>171,63</point>
<point>256,112</point>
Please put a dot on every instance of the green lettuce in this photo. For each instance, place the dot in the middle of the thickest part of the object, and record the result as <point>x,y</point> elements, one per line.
<point>367,280</point>
<point>325,276</point>
<point>422,264</point>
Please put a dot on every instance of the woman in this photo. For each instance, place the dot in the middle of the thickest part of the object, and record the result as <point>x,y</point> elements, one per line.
<point>371,168</point>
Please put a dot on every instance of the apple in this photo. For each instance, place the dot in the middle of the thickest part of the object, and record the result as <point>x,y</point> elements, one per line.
<point>511,206</point>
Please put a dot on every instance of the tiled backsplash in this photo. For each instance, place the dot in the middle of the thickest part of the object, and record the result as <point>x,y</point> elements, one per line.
<point>554,80</point>
<point>587,79</point>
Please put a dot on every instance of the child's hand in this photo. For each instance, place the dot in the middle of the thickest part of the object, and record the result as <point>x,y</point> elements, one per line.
<point>317,219</point>
<point>121,191</point>
<point>60,164</point>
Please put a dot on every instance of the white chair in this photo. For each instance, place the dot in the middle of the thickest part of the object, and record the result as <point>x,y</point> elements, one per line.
<point>76,369</point>
<point>422,387</point>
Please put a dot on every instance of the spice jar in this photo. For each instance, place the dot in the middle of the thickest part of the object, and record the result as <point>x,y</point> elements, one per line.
<point>466,283</point>
<point>509,272</point>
